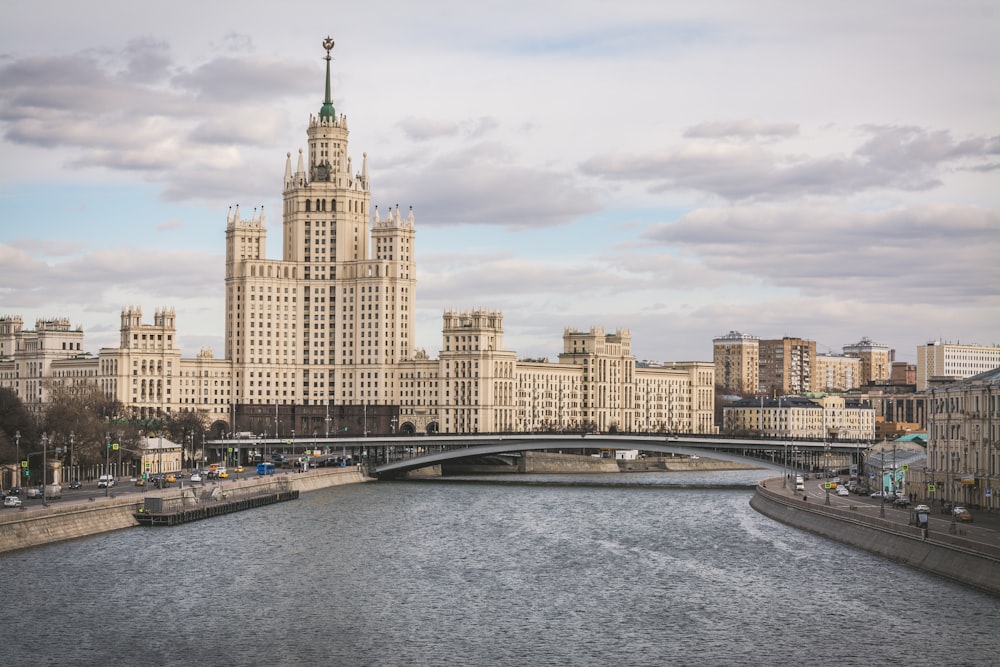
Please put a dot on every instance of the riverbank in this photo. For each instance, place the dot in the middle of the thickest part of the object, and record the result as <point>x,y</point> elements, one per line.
<point>70,519</point>
<point>552,463</point>
<point>969,558</point>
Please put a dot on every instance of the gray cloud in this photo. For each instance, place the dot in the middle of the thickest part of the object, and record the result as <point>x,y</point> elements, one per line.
<point>900,158</point>
<point>482,185</point>
<point>911,255</point>
<point>748,129</point>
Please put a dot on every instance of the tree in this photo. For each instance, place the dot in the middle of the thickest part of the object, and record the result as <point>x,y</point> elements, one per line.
<point>14,419</point>
<point>84,411</point>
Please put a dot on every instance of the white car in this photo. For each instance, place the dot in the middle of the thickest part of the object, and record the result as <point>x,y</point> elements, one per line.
<point>842,491</point>
<point>921,508</point>
<point>195,477</point>
<point>11,501</point>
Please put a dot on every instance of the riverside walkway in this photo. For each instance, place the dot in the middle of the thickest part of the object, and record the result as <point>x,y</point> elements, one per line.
<point>965,552</point>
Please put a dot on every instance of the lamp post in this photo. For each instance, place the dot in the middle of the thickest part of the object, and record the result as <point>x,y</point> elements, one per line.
<point>45,464</point>
<point>72,476</point>
<point>17,450</point>
<point>107,461</point>
<point>784,477</point>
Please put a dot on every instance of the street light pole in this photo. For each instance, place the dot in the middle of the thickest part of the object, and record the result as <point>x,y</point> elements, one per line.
<point>17,450</point>
<point>107,462</point>
<point>45,464</point>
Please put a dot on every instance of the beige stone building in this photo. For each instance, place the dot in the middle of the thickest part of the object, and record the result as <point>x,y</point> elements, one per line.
<point>737,362</point>
<point>963,448</point>
<point>331,324</point>
<point>875,361</point>
<point>829,417</point>
<point>836,372</point>
<point>953,360</point>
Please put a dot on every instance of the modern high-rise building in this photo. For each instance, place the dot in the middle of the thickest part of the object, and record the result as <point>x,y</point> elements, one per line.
<point>954,360</point>
<point>327,332</point>
<point>737,358</point>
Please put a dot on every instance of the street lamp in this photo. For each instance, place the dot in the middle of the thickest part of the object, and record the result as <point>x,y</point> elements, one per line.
<point>17,450</point>
<point>107,461</point>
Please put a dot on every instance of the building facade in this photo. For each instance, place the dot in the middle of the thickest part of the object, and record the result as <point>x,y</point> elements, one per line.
<point>875,361</point>
<point>963,448</point>
<point>331,325</point>
<point>826,418</point>
<point>952,360</point>
<point>835,372</point>
<point>786,366</point>
<point>737,362</point>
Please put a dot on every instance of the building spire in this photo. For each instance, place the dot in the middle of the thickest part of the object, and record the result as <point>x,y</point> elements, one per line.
<point>327,112</point>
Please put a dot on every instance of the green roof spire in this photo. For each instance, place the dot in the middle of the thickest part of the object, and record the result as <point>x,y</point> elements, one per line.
<point>327,112</point>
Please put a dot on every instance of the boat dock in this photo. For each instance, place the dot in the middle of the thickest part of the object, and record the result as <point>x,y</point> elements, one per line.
<point>155,512</point>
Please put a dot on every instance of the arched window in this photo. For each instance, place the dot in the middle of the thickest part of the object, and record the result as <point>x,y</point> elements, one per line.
<point>308,205</point>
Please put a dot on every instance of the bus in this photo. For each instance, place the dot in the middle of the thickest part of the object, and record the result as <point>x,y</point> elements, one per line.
<point>266,468</point>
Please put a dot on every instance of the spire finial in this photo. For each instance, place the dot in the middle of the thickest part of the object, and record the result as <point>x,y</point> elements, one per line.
<point>327,112</point>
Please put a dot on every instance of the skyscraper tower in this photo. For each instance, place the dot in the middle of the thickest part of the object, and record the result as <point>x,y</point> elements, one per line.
<point>332,318</point>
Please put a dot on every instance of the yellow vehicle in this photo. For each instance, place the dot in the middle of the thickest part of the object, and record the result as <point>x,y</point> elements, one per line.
<point>239,468</point>
<point>171,479</point>
<point>223,475</point>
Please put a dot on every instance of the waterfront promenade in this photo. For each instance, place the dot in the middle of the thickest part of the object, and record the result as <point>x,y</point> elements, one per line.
<point>964,552</point>
<point>92,513</point>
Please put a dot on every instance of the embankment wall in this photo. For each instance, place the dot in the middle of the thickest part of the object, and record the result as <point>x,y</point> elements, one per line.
<point>951,556</point>
<point>66,520</point>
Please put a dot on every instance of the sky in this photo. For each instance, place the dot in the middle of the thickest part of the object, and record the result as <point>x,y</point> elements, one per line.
<point>827,171</point>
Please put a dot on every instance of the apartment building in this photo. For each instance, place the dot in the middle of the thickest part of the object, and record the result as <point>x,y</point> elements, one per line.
<point>736,357</point>
<point>954,360</point>
<point>786,366</point>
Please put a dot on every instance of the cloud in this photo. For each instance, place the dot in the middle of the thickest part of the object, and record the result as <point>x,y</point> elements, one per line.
<point>744,129</point>
<point>892,158</point>
<point>482,184</point>
<point>907,255</point>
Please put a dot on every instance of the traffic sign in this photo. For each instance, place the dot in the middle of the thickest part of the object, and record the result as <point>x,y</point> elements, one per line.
<point>931,488</point>
<point>24,464</point>
<point>114,446</point>
<point>906,466</point>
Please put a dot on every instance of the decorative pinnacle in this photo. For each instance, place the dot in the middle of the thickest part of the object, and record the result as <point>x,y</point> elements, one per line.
<point>327,112</point>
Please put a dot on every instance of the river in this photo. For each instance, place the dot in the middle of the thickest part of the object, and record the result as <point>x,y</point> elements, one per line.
<point>631,569</point>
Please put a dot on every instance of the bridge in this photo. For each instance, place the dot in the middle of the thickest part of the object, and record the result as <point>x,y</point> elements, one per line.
<point>389,457</point>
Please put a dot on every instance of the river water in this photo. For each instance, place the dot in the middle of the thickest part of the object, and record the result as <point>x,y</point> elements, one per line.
<point>637,569</point>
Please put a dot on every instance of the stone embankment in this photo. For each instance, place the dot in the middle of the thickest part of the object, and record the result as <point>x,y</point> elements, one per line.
<point>567,464</point>
<point>972,562</point>
<point>68,519</point>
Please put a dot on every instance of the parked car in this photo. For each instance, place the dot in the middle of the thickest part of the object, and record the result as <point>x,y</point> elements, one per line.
<point>962,514</point>
<point>11,501</point>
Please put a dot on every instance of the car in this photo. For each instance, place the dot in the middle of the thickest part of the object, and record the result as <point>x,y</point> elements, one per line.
<point>195,477</point>
<point>171,479</point>
<point>901,501</point>
<point>15,491</point>
<point>876,494</point>
<point>140,481</point>
<point>921,508</point>
<point>223,475</point>
<point>11,501</point>
<point>105,481</point>
<point>76,484</point>
<point>962,514</point>
<point>35,492</point>
<point>842,491</point>
<point>239,469</point>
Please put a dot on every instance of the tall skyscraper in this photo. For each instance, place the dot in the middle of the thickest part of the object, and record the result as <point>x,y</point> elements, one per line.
<point>333,317</point>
